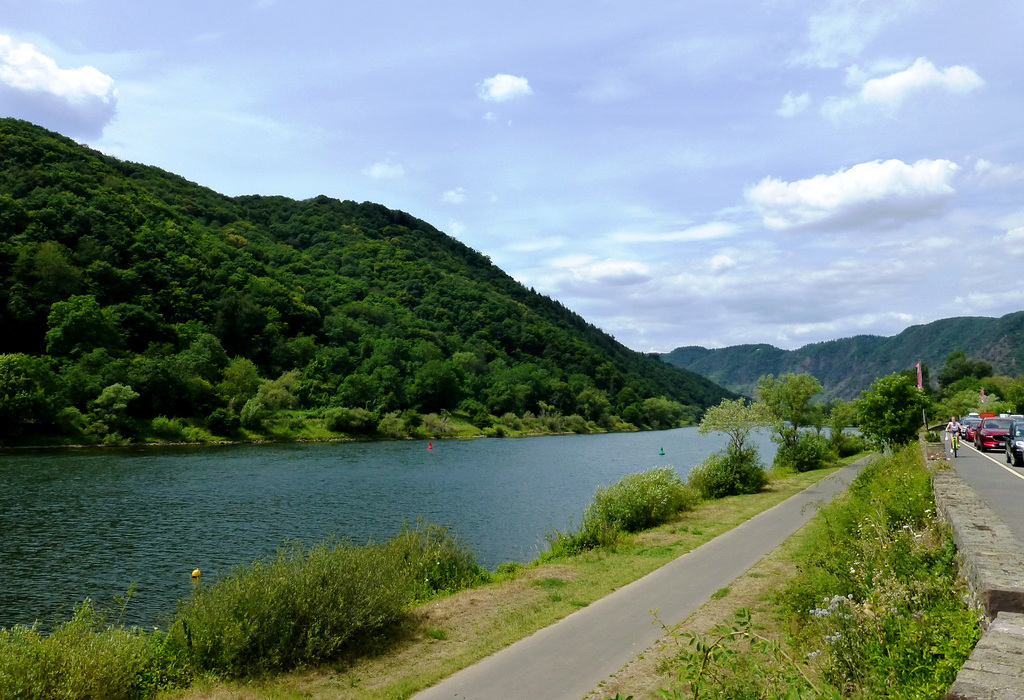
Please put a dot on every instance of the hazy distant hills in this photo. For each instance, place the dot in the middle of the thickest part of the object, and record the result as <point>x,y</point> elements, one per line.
<point>847,366</point>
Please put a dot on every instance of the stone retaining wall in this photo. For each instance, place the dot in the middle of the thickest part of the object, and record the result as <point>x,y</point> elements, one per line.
<point>992,563</point>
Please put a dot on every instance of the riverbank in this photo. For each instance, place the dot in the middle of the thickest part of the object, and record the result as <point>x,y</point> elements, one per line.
<point>310,427</point>
<point>906,540</point>
<point>445,635</point>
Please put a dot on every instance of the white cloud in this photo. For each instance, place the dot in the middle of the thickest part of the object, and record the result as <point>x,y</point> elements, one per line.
<point>868,195</point>
<point>384,170</point>
<point>995,174</point>
<point>722,262</point>
<point>503,87</point>
<point>583,269</point>
<point>892,90</point>
<point>889,92</point>
<point>845,28</point>
<point>792,104</point>
<point>703,232</point>
<point>24,67</point>
<point>1014,241</point>
<point>456,196</point>
<point>73,100</point>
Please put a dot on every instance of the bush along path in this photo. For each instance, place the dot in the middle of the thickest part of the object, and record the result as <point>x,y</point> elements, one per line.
<point>876,610</point>
<point>569,658</point>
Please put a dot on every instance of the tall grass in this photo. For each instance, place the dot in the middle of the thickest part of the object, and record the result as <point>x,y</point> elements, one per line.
<point>83,657</point>
<point>636,502</point>
<point>306,605</point>
<point>877,609</point>
<point>301,606</point>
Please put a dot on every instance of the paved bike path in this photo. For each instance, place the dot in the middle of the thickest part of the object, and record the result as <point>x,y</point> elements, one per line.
<point>567,659</point>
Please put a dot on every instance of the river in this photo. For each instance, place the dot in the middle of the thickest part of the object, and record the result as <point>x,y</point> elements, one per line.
<point>78,524</point>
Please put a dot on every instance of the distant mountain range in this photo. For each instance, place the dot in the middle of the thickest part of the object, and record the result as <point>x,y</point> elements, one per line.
<point>847,366</point>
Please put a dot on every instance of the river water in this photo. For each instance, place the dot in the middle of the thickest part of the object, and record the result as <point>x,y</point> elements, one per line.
<point>78,524</point>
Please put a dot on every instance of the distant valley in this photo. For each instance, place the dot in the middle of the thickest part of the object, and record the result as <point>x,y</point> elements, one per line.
<point>847,366</point>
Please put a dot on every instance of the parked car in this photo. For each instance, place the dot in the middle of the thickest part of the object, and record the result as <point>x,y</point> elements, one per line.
<point>991,433</point>
<point>968,426</point>
<point>1015,444</point>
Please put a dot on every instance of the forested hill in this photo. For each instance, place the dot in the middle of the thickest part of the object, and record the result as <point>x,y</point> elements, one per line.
<point>846,367</point>
<point>121,274</point>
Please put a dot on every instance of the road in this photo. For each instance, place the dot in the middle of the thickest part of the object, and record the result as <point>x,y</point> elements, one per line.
<point>997,483</point>
<point>569,658</point>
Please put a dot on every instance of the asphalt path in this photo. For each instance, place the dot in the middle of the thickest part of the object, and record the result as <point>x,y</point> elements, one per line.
<point>998,484</point>
<point>568,659</point>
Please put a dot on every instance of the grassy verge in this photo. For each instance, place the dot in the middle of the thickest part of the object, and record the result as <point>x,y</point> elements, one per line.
<point>447,634</point>
<point>862,602</point>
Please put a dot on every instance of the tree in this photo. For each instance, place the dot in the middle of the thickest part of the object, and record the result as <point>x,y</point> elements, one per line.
<point>110,410</point>
<point>661,413</point>
<point>786,402</point>
<point>78,326</point>
<point>959,367</point>
<point>841,415</point>
<point>27,386</point>
<point>737,419</point>
<point>890,413</point>
<point>241,380</point>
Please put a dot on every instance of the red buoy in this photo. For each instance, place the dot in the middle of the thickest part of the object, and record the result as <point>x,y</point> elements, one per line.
<point>430,445</point>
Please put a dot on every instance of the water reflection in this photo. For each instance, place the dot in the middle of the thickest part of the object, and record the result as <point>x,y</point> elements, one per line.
<point>86,523</point>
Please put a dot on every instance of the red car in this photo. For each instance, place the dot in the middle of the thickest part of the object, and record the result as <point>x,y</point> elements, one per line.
<point>991,433</point>
<point>969,426</point>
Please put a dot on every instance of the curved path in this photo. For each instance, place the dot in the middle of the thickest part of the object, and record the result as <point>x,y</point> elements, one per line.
<point>569,658</point>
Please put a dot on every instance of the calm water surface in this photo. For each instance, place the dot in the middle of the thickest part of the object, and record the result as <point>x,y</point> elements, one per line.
<point>82,524</point>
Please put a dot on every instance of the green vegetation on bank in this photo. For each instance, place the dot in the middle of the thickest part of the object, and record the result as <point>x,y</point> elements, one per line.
<point>304,606</point>
<point>876,610</point>
<point>135,305</point>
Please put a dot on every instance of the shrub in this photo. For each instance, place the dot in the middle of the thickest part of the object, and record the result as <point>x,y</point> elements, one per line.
<point>576,424</point>
<point>511,421</point>
<point>349,420</point>
<point>477,412</point>
<point>728,473</point>
<point>223,422</point>
<point>81,658</point>
<point>304,606</point>
<point>391,425</point>
<point>437,425</point>
<point>807,452</point>
<point>168,428</point>
<point>636,502</point>
<point>641,500</point>
<point>253,414</point>
<point>849,445</point>
<point>875,610</point>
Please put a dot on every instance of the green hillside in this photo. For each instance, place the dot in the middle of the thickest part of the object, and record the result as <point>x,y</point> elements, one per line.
<point>119,275</point>
<point>848,366</point>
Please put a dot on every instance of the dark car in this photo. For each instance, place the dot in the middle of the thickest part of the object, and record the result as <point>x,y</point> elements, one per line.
<point>968,426</point>
<point>991,433</point>
<point>1015,444</point>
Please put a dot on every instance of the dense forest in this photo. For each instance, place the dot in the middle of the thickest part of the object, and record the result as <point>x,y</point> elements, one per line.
<point>847,366</point>
<point>134,302</point>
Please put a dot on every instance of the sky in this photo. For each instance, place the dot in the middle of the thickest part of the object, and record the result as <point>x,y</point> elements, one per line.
<point>689,172</point>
